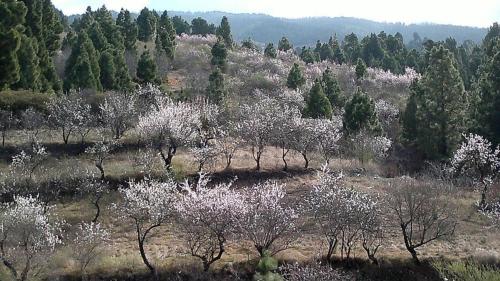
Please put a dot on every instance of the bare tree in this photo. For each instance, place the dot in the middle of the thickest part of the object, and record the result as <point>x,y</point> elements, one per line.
<point>8,121</point>
<point>421,212</point>
<point>99,152</point>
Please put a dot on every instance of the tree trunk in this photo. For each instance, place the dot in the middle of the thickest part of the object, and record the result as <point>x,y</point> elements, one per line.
<point>167,160</point>
<point>98,211</point>
<point>414,255</point>
<point>304,155</point>
<point>101,169</point>
<point>3,138</point>
<point>332,244</point>
<point>143,253</point>
<point>285,152</point>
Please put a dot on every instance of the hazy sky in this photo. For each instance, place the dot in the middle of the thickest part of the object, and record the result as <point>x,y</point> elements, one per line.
<point>460,12</point>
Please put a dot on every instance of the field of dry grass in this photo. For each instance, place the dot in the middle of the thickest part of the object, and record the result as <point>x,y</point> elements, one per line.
<point>475,237</point>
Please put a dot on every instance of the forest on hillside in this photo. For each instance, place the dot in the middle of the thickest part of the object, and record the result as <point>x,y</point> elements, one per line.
<point>159,147</point>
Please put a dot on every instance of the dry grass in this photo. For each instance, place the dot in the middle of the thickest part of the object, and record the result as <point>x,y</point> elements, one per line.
<point>475,237</point>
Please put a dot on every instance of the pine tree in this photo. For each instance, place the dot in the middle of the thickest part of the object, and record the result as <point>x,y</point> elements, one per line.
<point>441,106</point>
<point>351,47</point>
<point>109,28</point>
<point>82,68</point>
<point>108,70</point>
<point>215,90</point>
<point>224,31</point>
<point>122,76</point>
<point>12,14</point>
<point>318,105</point>
<point>147,69</point>
<point>219,55</point>
<point>360,69</point>
<point>166,35</point>
<point>128,29</point>
<point>199,26</point>
<point>360,114</point>
<point>372,50</point>
<point>332,89</point>
<point>295,78</point>
<point>284,45</point>
<point>29,65</point>
<point>181,26</point>
<point>270,51</point>
<point>409,116</point>
<point>146,25</point>
<point>309,56</point>
<point>95,33</point>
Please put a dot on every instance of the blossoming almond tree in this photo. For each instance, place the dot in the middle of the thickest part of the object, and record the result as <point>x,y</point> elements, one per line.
<point>118,112</point>
<point>169,126</point>
<point>477,158</point>
<point>268,222</point>
<point>149,204</point>
<point>89,242</point>
<point>27,236</point>
<point>208,218</point>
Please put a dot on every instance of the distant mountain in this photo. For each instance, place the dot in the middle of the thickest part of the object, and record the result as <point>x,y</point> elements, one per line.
<point>306,31</point>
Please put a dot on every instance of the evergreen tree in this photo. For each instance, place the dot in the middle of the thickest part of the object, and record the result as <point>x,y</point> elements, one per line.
<point>109,28</point>
<point>29,65</point>
<point>409,116</point>
<point>146,25</point>
<point>441,106</point>
<point>325,52</point>
<point>250,44</point>
<point>108,70</point>
<point>309,56</point>
<point>318,105</point>
<point>295,78</point>
<point>147,69</point>
<point>270,51</point>
<point>122,75</point>
<point>128,29</point>
<point>489,42</point>
<point>95,33</point>
<point>181,26</point>
<point>219,55</point>
<point>372,50</point>
<point>200,26</point>
<point>284,45</point>
<point>166,35</point>
<point>360,114</point>
<point>82,68</point>
<point>12,14</point>
<point>215,90</point>
<point>360,69</point>
<point>49,78</point>
<point>224,31</point>
<point>332,89</point>
<point>351,47</point>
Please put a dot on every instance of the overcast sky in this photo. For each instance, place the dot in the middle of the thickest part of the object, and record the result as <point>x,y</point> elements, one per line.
<point>459,12</point>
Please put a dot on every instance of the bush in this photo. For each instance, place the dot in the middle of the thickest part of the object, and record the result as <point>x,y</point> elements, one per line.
<point>18,101</point>
<point>466,271</point>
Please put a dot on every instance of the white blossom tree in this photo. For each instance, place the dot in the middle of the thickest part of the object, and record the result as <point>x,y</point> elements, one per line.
<point>367,146</point>
<point>345,216</point>
<point>476,158</point>
<point>169,126</point>
<point>388,116</point>
<point>268,222</point>
<point>257,124</point>
<point>329,133</point>
<point>306,139</point>
<point>94,190</point>
<point>208,218</point>
<point>32,122</point>
<point>149,204</point>
<point>89,242</point>
<point>206,147</point>
<point>421,213</point>
<point>27,236</point>
<point>118,112</point>
<point>68,113</point>
<point>99,152</point>
<point>285,128</point>
<point>8,121</point>
<point>25,164</point>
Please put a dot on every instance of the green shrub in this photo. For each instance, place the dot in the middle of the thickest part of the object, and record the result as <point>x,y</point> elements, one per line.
<point>466,271</point>
<point>21,100</point>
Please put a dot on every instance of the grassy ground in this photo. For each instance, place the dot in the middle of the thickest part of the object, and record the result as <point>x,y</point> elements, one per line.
<point>475,237</point>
